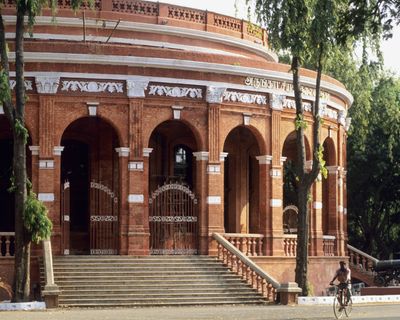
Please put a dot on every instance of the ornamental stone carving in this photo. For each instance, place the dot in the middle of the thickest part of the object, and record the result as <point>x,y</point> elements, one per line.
<point>277,101</point>
<point>291,104</point>
<point>248,98</point>
<point>342,117</point>
<point>28,84</point>
<point>92,86</point>
<point>136,89</point>
<point>47,85</point>
<point>215,94</point>
<point>176,92</point>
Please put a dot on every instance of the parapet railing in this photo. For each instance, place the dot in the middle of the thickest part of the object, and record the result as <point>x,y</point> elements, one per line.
<point>249,244</point>
<point>7,244</point>
<point>164,13</point>
<point>239,263</point>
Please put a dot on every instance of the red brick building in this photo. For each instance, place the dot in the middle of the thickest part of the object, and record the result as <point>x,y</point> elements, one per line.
<point>153,126</point>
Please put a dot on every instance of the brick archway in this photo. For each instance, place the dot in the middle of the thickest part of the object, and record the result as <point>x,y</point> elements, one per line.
<point>90,166</point>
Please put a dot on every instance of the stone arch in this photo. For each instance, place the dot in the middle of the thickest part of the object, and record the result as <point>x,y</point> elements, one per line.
<point>328,190</point>
<point>89,163</point>
<point>200,145</point>
<point>289,157</point>
<point>168,139</point>
<point>241,181</point>
<point>63,126</point>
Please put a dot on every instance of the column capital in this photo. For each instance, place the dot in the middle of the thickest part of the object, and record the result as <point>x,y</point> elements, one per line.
<point>201,155</point>
<point>222,156</point>
<point>276,101</point>
<point>46,84</point>
<point>333,169</point>
<point>34,150</point>
<point>57,150</point>
<point>147,151</point>
<point>136,88</point>
<point>215,94</point>
<point>265,159</point>
<point>123,151</point>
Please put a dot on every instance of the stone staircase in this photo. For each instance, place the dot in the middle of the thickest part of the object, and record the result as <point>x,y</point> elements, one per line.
<point>124,281</point>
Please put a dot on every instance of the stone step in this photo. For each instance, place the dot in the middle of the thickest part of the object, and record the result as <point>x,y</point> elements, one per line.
<point>136,304</point>
<point>165,300</point>
<point>98,281</point>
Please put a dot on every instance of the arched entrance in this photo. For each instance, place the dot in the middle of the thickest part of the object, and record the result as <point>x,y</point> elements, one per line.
<point>330,160</point>
<point>173,213</point>
<point>7,219</point>
<point>6,197</point>
<point>90,188</point>
<point>241,185</point>
<point>290,205</point>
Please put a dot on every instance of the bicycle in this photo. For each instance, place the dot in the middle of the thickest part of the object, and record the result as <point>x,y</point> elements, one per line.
<point>342,303</point>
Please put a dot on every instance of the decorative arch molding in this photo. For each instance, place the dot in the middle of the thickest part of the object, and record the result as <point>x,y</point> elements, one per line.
<point>64,126</point>
<point>261,142</point>
<point>193,129</point>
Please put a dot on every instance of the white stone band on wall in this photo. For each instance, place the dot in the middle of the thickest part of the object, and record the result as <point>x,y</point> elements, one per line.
<point>136,198</point>
<point>46,197</point>
<point>276,203</point>
<point>317,205</point>
<point>213,200</point>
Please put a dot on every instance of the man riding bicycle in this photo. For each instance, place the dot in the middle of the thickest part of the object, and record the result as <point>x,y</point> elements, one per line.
<point>343,275</point>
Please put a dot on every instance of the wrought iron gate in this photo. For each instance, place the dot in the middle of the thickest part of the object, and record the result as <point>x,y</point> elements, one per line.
<point>103,219</point>
<point>65,216</point>
<point>173,220</point>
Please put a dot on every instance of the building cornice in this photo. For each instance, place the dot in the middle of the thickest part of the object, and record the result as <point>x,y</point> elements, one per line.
<point>160,29</point>
<point>47,57</point>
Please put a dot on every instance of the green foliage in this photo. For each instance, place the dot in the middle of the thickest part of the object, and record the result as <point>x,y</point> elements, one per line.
<point>21,130</point>
<point>5,94</point>
<point>320,156</point>
<point>290,181</point>
<point>300,123</point>
<point>374,172</point>
<point>36,220</point>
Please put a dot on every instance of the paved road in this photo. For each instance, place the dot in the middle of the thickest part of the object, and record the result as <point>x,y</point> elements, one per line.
<point>370,312</point>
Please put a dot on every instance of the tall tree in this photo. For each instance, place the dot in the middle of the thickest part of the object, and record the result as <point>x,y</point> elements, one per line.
<point>307,30</point>
<point>374,173</point>
<point>14,110</point>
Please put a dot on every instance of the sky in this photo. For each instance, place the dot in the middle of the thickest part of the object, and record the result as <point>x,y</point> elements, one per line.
<point>390,48</point>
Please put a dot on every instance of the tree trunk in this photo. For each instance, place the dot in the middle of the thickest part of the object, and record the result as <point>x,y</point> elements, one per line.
<point>21,283</point>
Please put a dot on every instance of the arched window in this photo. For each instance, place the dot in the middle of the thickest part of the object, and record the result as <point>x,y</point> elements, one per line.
<point>182,163</point>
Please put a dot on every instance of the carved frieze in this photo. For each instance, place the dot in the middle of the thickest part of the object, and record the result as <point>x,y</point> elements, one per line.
<point>28,84</point>
<point>176,92</point>
<point>92,86</point>
<point>247,98</point>
<point>291,104</point>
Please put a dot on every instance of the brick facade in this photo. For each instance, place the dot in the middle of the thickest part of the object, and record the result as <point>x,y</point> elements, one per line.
<point>161,83</point>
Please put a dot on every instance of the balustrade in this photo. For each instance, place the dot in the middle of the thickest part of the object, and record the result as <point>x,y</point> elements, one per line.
<point>249,244</point>
<point>7,241</point>
<point>329,245</point>
<point>237,262</point>
<point>360,260</point>
<point>290,245</point>
<point>237,27</point>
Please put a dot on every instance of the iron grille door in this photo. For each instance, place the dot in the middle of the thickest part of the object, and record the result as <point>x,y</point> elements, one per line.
<point>65,216</point>
<point>103,220</point>
<point>173,220</point>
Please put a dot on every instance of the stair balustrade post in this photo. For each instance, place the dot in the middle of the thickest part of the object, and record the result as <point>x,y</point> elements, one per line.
<point>51,290</point>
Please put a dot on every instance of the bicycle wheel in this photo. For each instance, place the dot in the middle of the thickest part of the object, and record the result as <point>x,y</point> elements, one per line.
<point>338,309</point>
<point>349,308</point>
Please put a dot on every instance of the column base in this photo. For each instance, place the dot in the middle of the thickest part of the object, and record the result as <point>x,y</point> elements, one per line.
<point>288,293</point>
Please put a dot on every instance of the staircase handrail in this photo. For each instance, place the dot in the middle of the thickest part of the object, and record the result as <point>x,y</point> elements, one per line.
<point>245,260</point>
<point>51,290</point>
<point>361,253</point>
